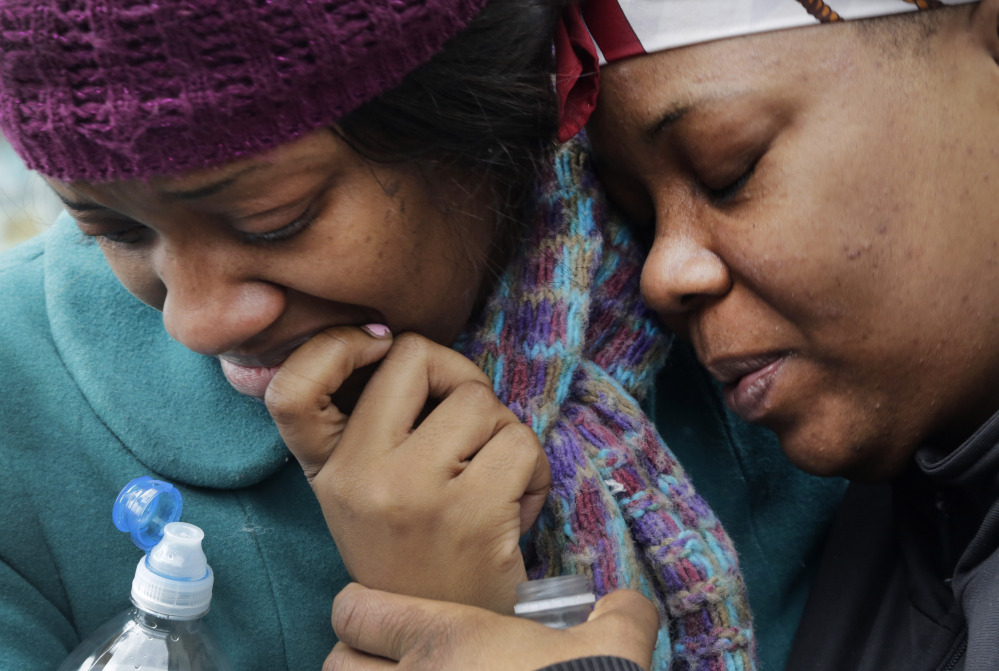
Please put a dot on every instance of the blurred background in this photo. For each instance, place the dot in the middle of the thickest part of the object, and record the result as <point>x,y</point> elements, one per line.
<point>27,206</point>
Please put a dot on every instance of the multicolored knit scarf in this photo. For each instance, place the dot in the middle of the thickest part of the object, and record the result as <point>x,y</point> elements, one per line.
<point>570,347</point>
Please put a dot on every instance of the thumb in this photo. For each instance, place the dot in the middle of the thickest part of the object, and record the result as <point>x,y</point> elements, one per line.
<point>629,618</point>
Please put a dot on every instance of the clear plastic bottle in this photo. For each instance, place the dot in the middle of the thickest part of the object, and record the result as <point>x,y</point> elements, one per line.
<point>559,602</point>
<point>171,593</point>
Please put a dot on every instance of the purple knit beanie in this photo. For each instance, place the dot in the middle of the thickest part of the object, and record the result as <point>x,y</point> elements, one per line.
<point>116,89</point>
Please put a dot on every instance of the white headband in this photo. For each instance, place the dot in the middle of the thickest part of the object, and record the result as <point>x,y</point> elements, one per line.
<point>597,32</point>
<point>656,25</point>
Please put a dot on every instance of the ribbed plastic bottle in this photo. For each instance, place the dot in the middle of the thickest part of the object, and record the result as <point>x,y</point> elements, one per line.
<point>560,602</point>
<point>171,593</point>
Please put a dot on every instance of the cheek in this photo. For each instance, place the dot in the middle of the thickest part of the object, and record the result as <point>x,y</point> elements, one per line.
<point>418,267</point>
<point>792,264</point>
<point>819,241</point>
<point>445,278</point>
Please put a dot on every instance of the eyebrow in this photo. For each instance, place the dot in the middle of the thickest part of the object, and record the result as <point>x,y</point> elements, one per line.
<point>79,207</point>
<point>669,118</point>
<point>209,189</point>
<point>183,194</point>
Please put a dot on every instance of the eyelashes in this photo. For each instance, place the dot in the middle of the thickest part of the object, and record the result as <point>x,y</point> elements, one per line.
<point>728,193</point>
<point>126,235</point>
<point>285,232</point>
<point>134,234</point>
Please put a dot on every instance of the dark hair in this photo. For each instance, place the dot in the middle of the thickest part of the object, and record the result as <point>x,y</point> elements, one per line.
<point>485,103</point>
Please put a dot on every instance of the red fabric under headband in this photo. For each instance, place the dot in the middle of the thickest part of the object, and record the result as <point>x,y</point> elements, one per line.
<point>577,61</point>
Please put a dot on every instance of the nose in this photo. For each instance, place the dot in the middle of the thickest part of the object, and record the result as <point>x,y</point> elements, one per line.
<point>212,305</point>
<point>681,274</point>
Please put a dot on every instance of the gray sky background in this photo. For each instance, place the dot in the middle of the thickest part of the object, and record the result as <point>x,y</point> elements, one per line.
<point>27,205</point>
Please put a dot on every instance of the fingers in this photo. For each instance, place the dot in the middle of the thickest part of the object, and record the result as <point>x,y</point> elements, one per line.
<point>345,658</point>
<point>424,634</point>
<point>462,423</point>
<point>514,463</point>
<point>298,398</point>
<point>414,371</point>
<point>387,625</point>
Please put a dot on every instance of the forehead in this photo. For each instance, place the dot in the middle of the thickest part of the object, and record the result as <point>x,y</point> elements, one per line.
<point>764,64</point>
<point>310,154</point>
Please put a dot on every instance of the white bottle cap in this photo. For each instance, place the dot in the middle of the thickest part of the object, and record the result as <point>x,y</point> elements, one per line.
<point>174,580</point>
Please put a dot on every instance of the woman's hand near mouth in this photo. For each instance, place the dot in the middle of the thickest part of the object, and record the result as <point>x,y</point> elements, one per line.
<point>429,483</point>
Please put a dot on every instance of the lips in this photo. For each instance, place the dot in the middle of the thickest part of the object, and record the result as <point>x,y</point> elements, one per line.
<point>749,382</point>
<point>249,380</point>
<point>251,375</point>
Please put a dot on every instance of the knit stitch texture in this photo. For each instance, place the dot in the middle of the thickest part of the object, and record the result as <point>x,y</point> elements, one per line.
<point>116,89</point>
<point>572,349</point>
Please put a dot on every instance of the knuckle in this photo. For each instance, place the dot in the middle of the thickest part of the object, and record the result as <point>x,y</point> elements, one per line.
<point>329,338</point>
<point>283,400</point>
<point>393,505</point>
<point>338,493</point>
<point>352,615</point>
<point>647,613</point>
<point>476,393</point>
<point>342,348</point>
<point>429,649</point>
<point>392,511</point>
<point>634,617</point>
<point>421,638</point>
<point>409,346</point>
<point>520,440</point>
<point>521,434</point>
<point>401,638</point>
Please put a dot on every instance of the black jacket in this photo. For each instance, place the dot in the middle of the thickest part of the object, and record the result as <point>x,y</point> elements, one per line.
<point>595,664</point>
<point>910,575</point>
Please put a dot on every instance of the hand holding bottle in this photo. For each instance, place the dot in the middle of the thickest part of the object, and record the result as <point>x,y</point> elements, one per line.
<point>380,631</point>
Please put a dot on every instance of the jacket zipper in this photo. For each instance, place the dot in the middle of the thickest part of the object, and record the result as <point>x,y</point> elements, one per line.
<point>957,655</point>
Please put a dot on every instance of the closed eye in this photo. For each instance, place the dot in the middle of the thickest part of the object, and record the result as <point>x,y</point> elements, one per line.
<point>284,233</point>
<point>126,233</point>
<point>126,236</point>
<point>728,193</point>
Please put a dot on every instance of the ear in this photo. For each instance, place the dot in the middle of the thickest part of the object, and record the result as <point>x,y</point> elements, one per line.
<point>985,24</point>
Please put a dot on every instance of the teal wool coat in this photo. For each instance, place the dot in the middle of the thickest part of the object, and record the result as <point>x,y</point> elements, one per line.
<point>96,394</point>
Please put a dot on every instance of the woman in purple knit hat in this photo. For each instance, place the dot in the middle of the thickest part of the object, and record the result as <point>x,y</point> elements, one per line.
<point>339,228</point>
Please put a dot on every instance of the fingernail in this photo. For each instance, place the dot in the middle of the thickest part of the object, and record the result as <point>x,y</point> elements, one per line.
<point>377,330</point>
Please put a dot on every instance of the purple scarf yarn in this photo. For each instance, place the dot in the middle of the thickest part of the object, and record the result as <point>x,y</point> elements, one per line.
<point>572,350</point>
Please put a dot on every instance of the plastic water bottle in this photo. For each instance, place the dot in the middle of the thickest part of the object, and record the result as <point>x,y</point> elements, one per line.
<point>171,593</point>
<point>559,602</point>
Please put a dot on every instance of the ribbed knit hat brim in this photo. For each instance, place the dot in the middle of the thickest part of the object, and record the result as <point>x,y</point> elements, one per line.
<point>113,89</point>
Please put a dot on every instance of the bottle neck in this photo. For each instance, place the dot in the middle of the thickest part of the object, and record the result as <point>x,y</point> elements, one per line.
<point>161,621</point>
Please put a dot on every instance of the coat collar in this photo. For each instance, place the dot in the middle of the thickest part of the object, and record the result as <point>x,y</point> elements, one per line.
<point>171,408</point>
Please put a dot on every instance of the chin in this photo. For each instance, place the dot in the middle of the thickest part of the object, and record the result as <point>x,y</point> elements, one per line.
<point>828,454</point>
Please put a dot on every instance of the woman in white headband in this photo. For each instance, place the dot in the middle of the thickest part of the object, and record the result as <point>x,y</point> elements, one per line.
<point>821,204</point>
